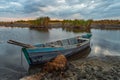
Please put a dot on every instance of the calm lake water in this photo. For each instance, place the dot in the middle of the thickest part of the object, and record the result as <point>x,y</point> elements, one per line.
<point>103,42</point>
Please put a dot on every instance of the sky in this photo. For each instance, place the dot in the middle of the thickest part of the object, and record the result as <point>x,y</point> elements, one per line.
<point>59,9</point>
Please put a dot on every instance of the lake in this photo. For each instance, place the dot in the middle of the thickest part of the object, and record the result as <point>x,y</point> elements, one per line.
<point>103,42</point>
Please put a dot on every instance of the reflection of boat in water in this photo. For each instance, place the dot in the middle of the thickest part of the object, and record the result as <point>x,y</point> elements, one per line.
<point>82,54</point>
<point>42,53</point>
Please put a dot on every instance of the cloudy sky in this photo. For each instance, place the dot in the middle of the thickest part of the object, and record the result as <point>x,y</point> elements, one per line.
<point>59,9</point>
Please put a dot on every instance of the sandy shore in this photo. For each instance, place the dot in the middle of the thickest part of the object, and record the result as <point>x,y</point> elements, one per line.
<point>92,68</point>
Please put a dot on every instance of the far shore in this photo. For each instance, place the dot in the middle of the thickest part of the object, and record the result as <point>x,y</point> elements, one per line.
<point>46,22</point>
<point>25,25</point>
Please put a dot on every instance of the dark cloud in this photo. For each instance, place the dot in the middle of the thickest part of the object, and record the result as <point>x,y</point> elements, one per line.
<point>29,8</point>
<point>96,9</point>
<point>10,7</point>
<point>106,9</point>
<point>36,5</point>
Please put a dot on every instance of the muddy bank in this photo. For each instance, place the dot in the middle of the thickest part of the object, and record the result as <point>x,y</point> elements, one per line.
<point>93,68</point>
<point>106,26</point>
<point>15,24</point>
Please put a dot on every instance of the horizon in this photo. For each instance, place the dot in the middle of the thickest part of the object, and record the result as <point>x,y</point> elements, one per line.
<point>12,10</point>
<point>52,19</point>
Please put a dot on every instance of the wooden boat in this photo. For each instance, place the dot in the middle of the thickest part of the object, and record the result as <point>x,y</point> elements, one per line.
<point>41,53</point>
<point>47,51</point>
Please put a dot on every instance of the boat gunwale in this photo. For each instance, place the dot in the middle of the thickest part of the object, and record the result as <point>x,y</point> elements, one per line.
<point>61,45</point>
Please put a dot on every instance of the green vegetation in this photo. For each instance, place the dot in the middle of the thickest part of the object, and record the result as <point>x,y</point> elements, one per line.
<point>46,22</point>
<point>77,22</point>
<point>83,25</point>
<point>40,22</point>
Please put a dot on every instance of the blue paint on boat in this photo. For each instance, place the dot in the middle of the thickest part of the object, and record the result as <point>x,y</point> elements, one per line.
<point>39,45</point>
<point>88,35</point>
<point>44,50</point>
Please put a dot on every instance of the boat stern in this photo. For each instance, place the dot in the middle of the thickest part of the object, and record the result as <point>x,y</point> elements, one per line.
<point>26,56</point>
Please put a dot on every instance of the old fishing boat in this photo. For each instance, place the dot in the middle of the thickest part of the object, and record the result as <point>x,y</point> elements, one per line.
<point>42,53</point>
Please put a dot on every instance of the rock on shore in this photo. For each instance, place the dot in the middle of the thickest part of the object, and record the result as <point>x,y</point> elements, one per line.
<point>94,68</point>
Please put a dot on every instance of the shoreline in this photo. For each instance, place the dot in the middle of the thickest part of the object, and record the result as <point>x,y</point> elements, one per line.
<point>91,68</point>
<point>27,25</point>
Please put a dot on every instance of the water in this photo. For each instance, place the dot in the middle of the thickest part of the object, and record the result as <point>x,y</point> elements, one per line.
<point>103,42</point>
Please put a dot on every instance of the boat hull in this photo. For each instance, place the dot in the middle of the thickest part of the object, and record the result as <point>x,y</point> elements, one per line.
<point>42,57</point>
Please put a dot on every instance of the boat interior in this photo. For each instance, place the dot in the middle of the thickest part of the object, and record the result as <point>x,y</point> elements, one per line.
<point>71,42</point>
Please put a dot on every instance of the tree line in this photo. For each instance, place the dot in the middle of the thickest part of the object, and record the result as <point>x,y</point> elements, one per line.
<point>76,23</point>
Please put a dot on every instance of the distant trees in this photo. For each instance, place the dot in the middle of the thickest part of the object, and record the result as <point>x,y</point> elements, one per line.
<point>46,22</point>
<point>40,22</point>
<point>21,21</point>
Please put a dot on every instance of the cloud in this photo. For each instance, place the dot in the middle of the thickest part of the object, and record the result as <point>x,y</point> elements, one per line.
<point>10,7</point>
<point>62,9</point>
<point>15,4</point>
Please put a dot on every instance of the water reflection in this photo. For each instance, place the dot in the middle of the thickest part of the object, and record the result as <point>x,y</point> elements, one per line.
<point>105,42</point>
<point>76,30</point>
<point>109,28</point>
<point>41,29</point>
<point>100,51</point>
<point>82,54</point>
